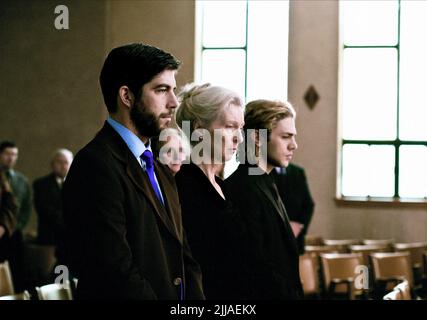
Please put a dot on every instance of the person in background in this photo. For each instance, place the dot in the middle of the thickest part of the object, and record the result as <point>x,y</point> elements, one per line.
<point>215,118</point>
<point>8,212</point>
<point>19,183</point>
<point>48,202</point>
<point>124,234</point>
<point>293,188</point>
<point>172,148</point>
<point>272,268</point>
<point>22,192</point>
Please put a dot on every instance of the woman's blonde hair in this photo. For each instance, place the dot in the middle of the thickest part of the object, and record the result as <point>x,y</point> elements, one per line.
<point>203,104</point>
<point>170,132</point>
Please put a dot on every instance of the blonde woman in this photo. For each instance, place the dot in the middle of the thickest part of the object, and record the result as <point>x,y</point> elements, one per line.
<point>214,116</point>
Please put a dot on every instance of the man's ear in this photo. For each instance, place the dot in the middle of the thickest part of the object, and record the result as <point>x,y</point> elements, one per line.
<point>126,96</point>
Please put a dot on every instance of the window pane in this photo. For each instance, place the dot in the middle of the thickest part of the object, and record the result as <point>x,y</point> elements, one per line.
<point>413,70</point>
<point>224,23</point>
<point>225,68</point>
<point>268,54</point>
<point>368,171</point>
<point>413,172</point>
<point>369,94</point>
<point>369,22</point>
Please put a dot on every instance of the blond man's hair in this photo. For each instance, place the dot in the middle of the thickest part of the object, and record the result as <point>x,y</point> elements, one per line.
<point>265,114</point>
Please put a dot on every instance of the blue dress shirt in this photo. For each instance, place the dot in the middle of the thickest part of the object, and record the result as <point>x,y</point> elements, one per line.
<point>135,145</point>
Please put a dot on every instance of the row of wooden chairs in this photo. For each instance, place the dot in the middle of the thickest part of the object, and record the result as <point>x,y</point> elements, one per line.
<point>348,275</point>
<point>52,291</point>
<point>416,250</point>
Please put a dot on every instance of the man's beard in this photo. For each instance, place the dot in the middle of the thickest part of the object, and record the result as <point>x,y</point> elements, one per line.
<point>146,123</point>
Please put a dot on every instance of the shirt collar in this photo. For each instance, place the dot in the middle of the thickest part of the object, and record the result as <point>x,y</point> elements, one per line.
<point>280,170</point>
<point>136,146</point>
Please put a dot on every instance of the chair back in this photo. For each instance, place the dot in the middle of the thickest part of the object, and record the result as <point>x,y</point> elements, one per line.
<point>342,245</point>
<point>316,250</point>
<point>416,250</point>
<point>367,249</point>
<point>6,283</point>
<point>19,296</point>
<point>308,269</point>
<point>392,265</point>
<point>340,269</point>
<point>54,291</point>
<point>311,240</point>
<point>388,242</point>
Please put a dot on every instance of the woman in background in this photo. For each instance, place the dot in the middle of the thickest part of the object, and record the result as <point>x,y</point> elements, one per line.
<point>172,148</point>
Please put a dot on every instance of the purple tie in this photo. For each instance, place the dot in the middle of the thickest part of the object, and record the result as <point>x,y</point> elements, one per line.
<point>147,156</point>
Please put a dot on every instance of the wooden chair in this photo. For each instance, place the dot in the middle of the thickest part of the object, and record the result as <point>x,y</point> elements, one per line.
<point>341,245</point>
<point>6,283</point>
<point>339,272</point>
<point>54,291</point>
<point>367,249</point>
<point>308,268</point>
<point>389,269</point>
<point>388,242</point>
<point>416,251</point>
<point>311,240</point>
<point>20,296</point>
<point>316,250</point>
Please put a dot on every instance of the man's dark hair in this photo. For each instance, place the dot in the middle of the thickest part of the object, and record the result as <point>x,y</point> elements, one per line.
<point>7,144</point>
<point>132,65</point>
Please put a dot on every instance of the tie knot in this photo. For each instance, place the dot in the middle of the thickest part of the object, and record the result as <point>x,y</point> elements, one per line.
<point>147,156</point>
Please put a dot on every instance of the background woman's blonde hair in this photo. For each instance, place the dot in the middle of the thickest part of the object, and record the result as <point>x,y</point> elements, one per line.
<point>264,114</point>
<point>163,139</point>
<point>203,104</point>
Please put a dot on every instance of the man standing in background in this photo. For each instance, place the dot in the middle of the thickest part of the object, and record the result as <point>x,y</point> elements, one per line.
<point>22,191</point>
<point>48,202</point>
<point>19,183</point>
<point>8,211</point>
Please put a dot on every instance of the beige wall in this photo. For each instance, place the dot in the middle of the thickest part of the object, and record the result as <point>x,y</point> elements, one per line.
<point>313,57</point>
<point>49,92</point>
<point>49,79</point>
<point>167,24</point>
<point>50,97</point>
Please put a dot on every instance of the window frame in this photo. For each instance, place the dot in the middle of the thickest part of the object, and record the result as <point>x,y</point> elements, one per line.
<point>396,143</point>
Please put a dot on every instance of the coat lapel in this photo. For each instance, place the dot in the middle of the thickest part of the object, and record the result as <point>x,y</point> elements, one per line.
<point>171,198</point>
<point>269,196</point>
<point>140,179</point>
<point>142,182</point>
<point>280,207</point>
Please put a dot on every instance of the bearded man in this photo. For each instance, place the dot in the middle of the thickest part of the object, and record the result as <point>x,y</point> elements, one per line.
<point>124,235</point>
